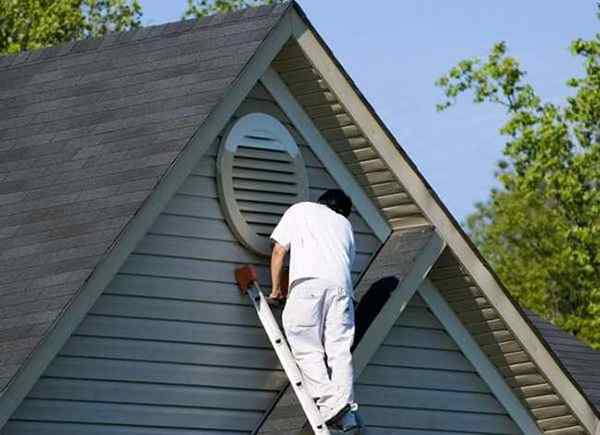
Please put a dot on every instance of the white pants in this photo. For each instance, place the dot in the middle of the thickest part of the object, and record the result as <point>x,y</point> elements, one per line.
<point>318,320</point>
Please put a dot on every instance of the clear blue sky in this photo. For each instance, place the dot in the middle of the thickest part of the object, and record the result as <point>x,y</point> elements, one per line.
<point>395,51</point>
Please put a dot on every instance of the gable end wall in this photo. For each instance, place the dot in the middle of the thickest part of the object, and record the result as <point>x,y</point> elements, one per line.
<point>171,344</point>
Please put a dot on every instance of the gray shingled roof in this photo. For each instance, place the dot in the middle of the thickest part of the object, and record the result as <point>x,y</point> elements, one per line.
<point>581,361</point>
<point>87,130</point>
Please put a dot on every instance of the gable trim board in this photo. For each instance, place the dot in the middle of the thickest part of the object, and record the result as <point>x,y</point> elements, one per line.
<point>143,219</point>
<point>480,361</point>
<point>321,148</point>
<point>400,297</point>
<point>293,24</point>
<point>404,169</point>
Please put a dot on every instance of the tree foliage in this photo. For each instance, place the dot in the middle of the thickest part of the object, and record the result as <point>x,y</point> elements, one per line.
<point>32,24</point>
<point>201,8</point>
<point>541,228</point>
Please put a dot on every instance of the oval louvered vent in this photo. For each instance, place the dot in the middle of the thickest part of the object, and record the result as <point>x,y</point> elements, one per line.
<point>261,173</point>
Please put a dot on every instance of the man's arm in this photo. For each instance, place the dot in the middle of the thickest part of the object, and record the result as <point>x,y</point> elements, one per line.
<point>277,259</point>
<point>282,238</point>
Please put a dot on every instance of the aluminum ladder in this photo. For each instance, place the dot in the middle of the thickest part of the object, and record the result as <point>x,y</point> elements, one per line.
<point>248,283</point>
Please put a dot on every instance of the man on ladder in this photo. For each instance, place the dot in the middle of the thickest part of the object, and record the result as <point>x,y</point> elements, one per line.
<point>318,317</point>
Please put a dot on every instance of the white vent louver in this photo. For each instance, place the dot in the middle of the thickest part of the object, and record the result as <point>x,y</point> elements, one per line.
<point>261,173</point>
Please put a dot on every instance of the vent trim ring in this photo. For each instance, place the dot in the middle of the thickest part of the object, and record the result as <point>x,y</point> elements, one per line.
<point>260,165</point>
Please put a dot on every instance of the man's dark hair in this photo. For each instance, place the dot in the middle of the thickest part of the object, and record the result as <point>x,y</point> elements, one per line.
<point>337,201</point>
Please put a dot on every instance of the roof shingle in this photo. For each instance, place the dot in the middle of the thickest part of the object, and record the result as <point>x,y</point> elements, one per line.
<point>581,361</point>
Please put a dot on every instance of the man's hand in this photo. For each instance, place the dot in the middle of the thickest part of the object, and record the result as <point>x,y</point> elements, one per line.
<point>277,259</point>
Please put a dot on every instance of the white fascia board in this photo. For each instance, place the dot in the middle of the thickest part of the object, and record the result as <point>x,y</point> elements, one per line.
<point>394,307</point>
<point>338,170</point>
<point>448,228</point>
<point>480,361</point>
<point>141,222</point>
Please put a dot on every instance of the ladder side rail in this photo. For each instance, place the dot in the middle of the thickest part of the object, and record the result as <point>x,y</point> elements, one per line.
<point>286,359</point>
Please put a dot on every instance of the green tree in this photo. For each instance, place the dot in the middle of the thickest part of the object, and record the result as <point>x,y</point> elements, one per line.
<point>201,8</point>
<point>541,228</point>
<point>32,24</point>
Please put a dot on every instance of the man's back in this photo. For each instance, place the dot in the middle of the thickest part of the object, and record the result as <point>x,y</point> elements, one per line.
<point>321,242</point>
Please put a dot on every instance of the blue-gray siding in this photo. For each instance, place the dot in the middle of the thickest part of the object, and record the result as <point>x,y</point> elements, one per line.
<point>419,382</point>
<point>171,346</point>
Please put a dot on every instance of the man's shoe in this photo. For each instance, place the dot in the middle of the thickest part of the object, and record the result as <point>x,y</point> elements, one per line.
<point>346,422</point>
<point>338,415</point>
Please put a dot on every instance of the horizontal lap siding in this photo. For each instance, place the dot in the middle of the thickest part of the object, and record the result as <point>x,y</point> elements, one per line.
<point>420,382</point>
<point>170,345</point>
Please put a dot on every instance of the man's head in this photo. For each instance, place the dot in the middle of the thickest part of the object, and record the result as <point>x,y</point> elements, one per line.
<point>337,201</point>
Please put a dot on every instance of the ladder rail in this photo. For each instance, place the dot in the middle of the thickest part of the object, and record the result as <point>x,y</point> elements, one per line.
<point>279,343</point>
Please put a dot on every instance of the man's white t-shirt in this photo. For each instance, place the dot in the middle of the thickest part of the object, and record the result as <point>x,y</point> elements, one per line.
<point>321,243</point>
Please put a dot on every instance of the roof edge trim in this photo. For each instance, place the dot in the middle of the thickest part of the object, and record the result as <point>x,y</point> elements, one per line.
<point>338,170</point>
<point>394,307</point>
<point>135,229</point>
